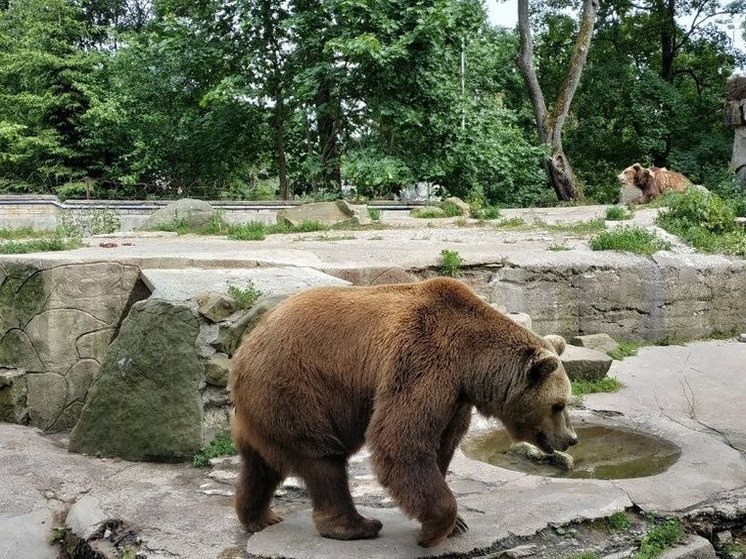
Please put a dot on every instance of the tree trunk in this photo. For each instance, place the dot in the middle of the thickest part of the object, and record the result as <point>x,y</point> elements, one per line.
<point>549,122</point>
<point>328,147</point>
<point>280,146</point>
<point>560,175</point>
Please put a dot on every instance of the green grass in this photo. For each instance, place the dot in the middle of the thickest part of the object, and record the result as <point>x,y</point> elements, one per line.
<point>486,213</point>
<point>625,349</point>
<point>427,212</point>
<point>40,245</point>
<point>250,231</point>
<point>512,223</point>
<point>629,239</point>
<point>580,228</point>
<point>451,209</point>
<point>244,296</point>
<point>558,247</point>
<point>450,263</point>
<point>24,233</point>
<point>606,384</point>
<point>374,214</point>
<point>619,522</point>
<point>617,213</point>
<point>660,538</point>
<point>221,445</point>
<point>734,548</point>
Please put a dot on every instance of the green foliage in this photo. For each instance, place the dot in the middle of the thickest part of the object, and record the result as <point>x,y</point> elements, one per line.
<point>705,221</point>
<point>450,263</point>
<point>428,212</point>
<point>451,209</point>
<point>617,213</point>
<point>606,384</point>
<point>57,535</point>
<point>512,223</point>
<point>374,214</point>
<point>580,228</point>
<point>558,247</point>
<point>486,213</point>
<point>629,239</point>
<point>250,231</point>
<point>81,223</point>
<point>660,538</point>
<point>221,445</point>
<point>619,521</point>
<point>39,245</point>
<point>624,349</point>
<point>24,233</point>
<point>245,296</point>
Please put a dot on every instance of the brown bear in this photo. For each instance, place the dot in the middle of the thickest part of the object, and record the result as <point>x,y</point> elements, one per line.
<point>398,367</point>
<point>652,181</point>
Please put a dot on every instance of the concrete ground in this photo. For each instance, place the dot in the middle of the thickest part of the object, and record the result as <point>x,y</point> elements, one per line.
<point>692,395</point>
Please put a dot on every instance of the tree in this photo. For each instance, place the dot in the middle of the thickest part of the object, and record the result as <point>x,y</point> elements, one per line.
<point>550,120</point>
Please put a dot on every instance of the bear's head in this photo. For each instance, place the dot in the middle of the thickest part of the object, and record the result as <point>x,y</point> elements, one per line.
<point>536,412</point>
<point>630,176</point>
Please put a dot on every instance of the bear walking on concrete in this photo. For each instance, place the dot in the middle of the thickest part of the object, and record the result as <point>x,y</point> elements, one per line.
<point>652,181</point>
<point>399,367</point>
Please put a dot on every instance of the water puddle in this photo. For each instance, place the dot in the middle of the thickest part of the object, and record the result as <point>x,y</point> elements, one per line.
<point>601,453</point>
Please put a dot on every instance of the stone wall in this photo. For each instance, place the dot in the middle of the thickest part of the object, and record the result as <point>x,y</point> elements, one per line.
<point>675,297</point>
<point>56,322</point>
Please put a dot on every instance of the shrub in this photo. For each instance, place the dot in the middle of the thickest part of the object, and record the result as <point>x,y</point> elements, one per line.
<point>375,214</point>
<point>617,213</point>
<point>487,212</point>
<point>451,263</point>
<point>221,445</point>
<point>244,296</point>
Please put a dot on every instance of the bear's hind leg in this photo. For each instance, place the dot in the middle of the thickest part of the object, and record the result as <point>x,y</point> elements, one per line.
<point>256,486</point>
<point>334,513</point>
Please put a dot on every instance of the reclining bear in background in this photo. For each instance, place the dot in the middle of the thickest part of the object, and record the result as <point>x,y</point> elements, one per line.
<point>652,181</point>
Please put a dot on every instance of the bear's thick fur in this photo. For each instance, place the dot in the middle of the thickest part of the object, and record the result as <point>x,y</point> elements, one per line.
<point>652,181</point>
<point>399,367</point>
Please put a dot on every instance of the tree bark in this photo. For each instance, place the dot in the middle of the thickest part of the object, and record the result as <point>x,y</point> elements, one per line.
<point>327,127</point>
<point>280,146</point>
<point>549,122</point>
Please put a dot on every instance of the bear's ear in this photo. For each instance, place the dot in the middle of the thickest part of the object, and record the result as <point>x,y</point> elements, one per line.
<point>558,343</point>
<point>544,365</point>
<point>637,166</point>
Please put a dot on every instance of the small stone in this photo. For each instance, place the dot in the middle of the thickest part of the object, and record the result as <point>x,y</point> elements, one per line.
<point>722,538</point>
<point>695,547</point>
<point>216,370</point>
<point>520,318</point>
<point>215,306</point>
<point>742,337</point>
<point>224,477</point>
<point>521,551</point>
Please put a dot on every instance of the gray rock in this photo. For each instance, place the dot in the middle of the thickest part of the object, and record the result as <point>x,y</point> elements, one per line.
<point>196,213</point>
<point>146,403</point>
<point>585,364</point>
<point>215,306</point>
<point>229,337</point>
<point>326,213</point>
<point>600,342</point>
<point>722,538</point>
<point>742,337</point>
<point>216,370</point>
<point>695,547</point>
<point>85,517</point>
<point>526,550</point>
<point>535,454</point>
<point>27,535</point>
<point>13,396</point>
<point>627,193</point>
<point>520,318</point>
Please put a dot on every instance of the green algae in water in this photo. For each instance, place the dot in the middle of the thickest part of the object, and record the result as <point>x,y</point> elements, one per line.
<point>601,453</point>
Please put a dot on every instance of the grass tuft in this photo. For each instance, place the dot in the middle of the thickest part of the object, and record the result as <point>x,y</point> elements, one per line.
<point>450,263</point>
<point>40,245</point>
<point>246,296</point>
<point>221,445</point>
<point>606,384</point>
<point>617,213</point>
<point>629,239</point>
<point>660,538</point>
<point>619,522</point>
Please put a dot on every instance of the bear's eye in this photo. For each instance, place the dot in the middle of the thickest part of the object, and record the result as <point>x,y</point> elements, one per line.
<point>556,408</point>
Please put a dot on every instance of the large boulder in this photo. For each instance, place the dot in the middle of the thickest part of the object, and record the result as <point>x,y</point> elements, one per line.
<point>146,403</point>
<point>585,364</point>
<point>326,213</point>
<point>195,213</point>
